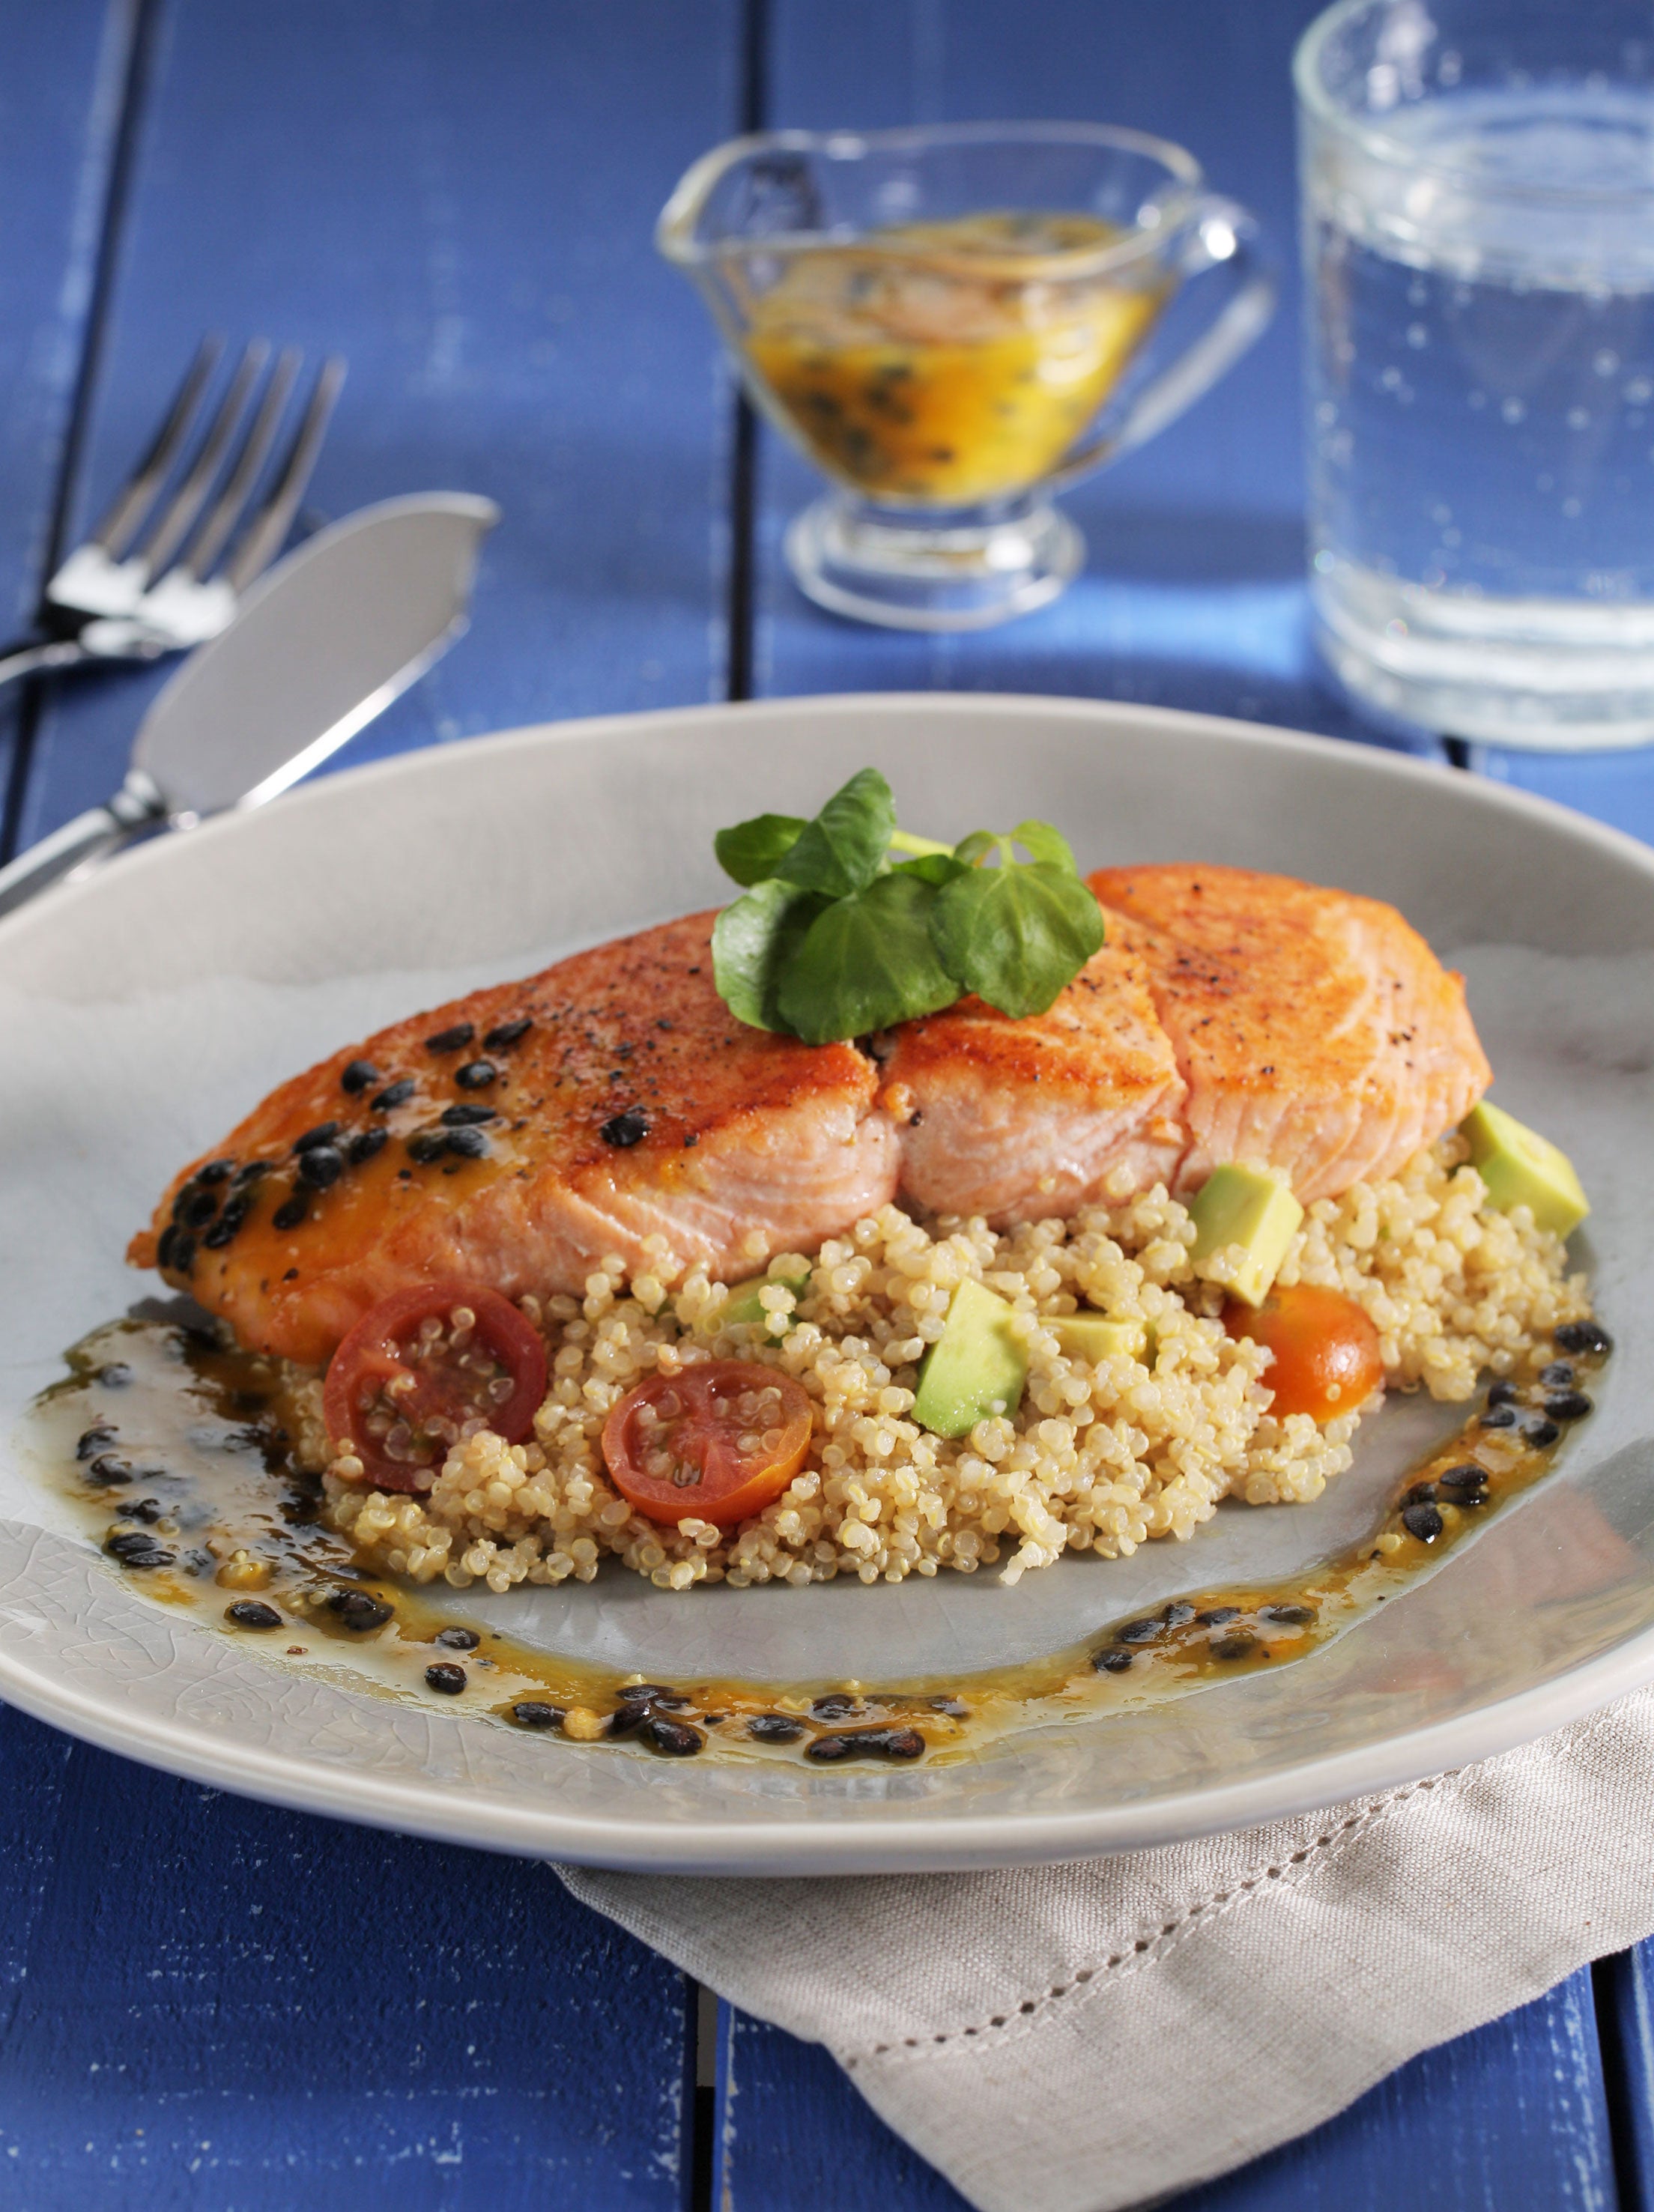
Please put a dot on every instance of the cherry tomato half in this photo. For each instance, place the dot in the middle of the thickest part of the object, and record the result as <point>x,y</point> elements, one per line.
<point>428,1365</point>
<point>1327,1360</point>
<point>716,1443</point>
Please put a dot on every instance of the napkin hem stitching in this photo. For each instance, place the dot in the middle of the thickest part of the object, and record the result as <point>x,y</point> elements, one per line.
<point>1149,1950</point>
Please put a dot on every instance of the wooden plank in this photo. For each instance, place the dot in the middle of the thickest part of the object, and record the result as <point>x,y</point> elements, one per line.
<point>1512,2116</point>
<point>462,201</point>
<point>1616,788</point>
<point>1194,596</point>
<point>206,2003</point>
<point>1624,1994</point>
<point>60,98</point>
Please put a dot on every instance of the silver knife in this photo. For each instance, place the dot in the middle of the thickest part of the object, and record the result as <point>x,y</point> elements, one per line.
<point>328,638</point>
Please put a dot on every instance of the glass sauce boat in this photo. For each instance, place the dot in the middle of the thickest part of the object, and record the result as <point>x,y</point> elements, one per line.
<point>952,323</point>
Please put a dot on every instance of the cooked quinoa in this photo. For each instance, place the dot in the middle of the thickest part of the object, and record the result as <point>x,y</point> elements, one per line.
<point>1098,1458</point>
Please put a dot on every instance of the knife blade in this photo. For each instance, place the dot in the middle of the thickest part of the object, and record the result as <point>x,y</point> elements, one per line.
<point>324,643</point>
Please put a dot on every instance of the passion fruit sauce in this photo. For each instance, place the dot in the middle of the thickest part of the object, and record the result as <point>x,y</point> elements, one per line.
<point>174,1449</point>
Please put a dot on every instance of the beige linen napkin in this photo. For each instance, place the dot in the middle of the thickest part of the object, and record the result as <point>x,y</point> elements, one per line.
<point>1089,2036</point>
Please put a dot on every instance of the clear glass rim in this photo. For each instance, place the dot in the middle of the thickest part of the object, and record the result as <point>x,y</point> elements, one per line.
<point>675,232</point>
<point>1380,146</point>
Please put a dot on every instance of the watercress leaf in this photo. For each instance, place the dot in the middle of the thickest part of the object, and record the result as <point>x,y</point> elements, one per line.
<point>930,868</point>
<point>971,849</point>
<point>753,941</point>
<point>753,850</point>
<point>1044,843</point>
<point>868,960</point>
<point>1015,935</point>
<point>844,848</point>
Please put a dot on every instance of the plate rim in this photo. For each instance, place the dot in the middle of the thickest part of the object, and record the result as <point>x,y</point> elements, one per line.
<point>792,1843</point>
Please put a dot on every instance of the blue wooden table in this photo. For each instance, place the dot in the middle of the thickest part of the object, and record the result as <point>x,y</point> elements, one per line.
<point>207,2004</point>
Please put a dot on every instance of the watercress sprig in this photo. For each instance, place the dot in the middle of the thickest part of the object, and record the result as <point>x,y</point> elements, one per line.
<point>848,924</point>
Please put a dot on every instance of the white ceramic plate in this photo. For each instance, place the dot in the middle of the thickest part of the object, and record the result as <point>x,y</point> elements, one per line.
<point>146,1008</point>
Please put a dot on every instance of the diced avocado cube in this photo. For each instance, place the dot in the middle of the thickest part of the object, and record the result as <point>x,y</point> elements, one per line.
<point>743,1306</point>
<point>1251,1207</point>
<point>1522,1168</point>
<point>1093,1336</point>
<point>975,1367</point>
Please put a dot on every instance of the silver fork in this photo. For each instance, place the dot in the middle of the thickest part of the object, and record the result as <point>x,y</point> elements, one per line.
<point>163,569</point>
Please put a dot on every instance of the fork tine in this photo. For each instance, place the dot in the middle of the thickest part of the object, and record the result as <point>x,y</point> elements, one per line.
<point>268,532</point>
<point>131,503</point>
<point>231,504</point>
<point>171,526</point>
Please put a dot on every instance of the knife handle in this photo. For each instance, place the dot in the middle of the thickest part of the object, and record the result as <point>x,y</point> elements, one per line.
<point>90,836</point>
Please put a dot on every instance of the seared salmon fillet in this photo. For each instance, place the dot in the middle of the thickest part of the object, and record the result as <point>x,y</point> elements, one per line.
<point>1315,1031</point>
<point>515,1137</point>
<point>1011,1119</point>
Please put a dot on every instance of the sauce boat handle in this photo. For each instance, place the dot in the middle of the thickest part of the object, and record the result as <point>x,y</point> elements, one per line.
<point>1219,234</point>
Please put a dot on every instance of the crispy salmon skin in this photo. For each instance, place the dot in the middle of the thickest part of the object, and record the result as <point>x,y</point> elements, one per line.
<point>516,1137</point>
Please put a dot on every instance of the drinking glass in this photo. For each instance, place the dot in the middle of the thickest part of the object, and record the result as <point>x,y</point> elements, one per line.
<point>1477,201</point>
<point>952,323</point>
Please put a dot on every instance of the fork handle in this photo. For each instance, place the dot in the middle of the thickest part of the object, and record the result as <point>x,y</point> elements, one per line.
<point>93,835</point>
<point>33,656</point>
